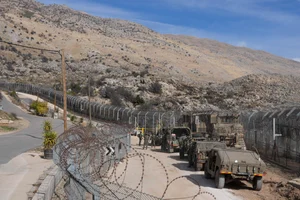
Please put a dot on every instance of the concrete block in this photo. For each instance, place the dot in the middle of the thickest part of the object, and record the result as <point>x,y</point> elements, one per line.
<point>57,174</point>
<point>47,188</point>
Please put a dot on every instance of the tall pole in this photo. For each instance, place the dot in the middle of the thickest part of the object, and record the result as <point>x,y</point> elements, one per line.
<point>55,98</point>
<point>90,110</point>
<point>63,65</point>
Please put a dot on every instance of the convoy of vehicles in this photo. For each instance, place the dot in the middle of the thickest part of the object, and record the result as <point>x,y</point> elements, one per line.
<point>215,144</point>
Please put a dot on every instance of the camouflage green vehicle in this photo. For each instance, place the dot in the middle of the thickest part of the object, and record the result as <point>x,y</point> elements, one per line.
<point>171,137</point>
<point>225,165</point>
<point>186,141</point>
<point>199,150</point>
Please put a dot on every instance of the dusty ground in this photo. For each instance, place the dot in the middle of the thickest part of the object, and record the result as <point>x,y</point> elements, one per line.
<point>155,176</point>
<point>275,186</point>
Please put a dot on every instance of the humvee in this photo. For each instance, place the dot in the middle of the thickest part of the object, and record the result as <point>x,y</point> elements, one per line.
<point>225,165</point>
<point>199,150</point>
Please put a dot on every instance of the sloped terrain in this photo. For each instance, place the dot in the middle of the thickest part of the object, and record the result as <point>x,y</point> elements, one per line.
<point>130,64</point>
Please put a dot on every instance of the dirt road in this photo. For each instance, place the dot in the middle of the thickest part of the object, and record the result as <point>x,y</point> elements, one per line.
<point>155,169</point>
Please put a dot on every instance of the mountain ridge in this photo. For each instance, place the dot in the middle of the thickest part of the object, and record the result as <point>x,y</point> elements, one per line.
<point>120,53</point>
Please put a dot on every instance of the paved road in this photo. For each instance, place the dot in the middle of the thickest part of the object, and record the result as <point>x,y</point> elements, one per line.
<point>14,144</point>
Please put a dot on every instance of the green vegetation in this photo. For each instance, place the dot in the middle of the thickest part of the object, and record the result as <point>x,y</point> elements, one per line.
<point>73,118</point>
<point>28,14</point>
<point>40,108</point>
<point>7,128</point>
<point>15,96</point>
<point>50,136</point>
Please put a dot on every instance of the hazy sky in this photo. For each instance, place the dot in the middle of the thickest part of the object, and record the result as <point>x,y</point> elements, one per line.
<point>269,25</point>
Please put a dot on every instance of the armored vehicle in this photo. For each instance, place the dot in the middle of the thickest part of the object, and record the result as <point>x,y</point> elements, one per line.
<point>225,165</point>
<point>199,150</point>
<point>170,138</point>
<point>186,141</point>
<point>219,125</point>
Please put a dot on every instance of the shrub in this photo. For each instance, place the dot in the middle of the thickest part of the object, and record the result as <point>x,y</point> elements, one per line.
<point>138,100</point>
<point>47,126</point>
<point>13,115</point>
<point>143,73</point>
<point>44,59</point>
<point>116,100</point>
<point>40,108</point>
<point>14,95</point>
<point>73,118</point>
<point>135,74</point>
<point>49,139</point>
<point>75,87</point>
<point>49,135</point>
<point>128,96</point>
<point>28,14</point>
<point>155,88</point>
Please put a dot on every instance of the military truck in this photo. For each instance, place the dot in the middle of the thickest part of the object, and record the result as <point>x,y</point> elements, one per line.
<point>199,150</point>
<point>226,165</point>
<point>186,141</point>
<point>219,125</point>
<point>171,136</point>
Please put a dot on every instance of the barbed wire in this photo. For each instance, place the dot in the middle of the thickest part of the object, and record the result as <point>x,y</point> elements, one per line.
<point>82,153</point>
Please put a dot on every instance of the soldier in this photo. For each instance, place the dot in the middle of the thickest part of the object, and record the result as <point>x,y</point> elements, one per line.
<point>146,139</point>
<point>153,138</point>
<point>140,136</point>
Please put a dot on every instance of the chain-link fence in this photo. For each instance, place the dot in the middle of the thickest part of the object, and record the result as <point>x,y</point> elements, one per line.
<point>275,134</point>
<point>134,117</point>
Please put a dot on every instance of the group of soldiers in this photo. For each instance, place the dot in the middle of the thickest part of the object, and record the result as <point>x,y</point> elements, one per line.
<point>147,136</point>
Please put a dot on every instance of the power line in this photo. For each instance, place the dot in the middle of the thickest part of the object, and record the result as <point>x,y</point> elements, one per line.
<point>29,47</point>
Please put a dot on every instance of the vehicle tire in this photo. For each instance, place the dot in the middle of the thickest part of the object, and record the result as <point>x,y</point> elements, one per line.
<point>206,174</point>
<point>257,183</point>
<point>219,180</point>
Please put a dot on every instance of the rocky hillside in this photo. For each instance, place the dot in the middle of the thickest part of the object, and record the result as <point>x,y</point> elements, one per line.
<point>131,65</point>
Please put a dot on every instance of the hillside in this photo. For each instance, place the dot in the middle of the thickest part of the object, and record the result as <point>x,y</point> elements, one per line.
<point>126,60</point>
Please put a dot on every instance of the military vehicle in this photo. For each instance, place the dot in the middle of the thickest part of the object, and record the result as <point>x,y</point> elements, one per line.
<point>226,165</point>
<point>199,150</point>
<point>171,136</point>
<point>219,125</point>
<point>186,141</point>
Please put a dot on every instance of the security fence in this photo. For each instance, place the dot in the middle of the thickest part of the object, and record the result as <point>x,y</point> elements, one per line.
<point>134,117</point>
<point>86,155</point>
<point>275,135</point>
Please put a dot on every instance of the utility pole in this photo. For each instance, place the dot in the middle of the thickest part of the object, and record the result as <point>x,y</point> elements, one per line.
<point>90,110</point>
<point>63,66</point>
<point>54,97</point>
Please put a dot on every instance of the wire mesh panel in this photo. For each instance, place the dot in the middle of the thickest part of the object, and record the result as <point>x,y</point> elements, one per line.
<point>275,134</point>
